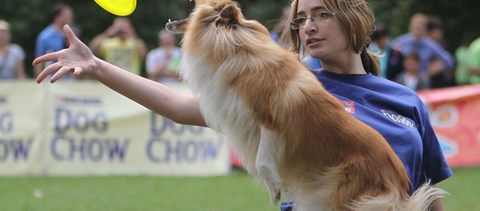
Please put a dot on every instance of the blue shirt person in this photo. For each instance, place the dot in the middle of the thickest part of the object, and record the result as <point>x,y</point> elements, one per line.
<point>52,39</point>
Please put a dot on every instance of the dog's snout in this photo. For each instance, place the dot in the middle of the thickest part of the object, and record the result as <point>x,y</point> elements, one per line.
<point>176,27</point>
<point>169,26</point>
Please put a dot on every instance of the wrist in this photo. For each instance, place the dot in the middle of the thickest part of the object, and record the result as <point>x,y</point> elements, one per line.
<point>97,65</point>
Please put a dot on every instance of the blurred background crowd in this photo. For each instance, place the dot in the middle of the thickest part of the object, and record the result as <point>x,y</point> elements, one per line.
<point>420,46</point>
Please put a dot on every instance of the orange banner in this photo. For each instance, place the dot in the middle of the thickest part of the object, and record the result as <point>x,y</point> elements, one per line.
<point>455,115</point>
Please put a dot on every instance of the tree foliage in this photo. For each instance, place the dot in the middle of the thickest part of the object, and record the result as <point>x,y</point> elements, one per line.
<point>29,17</point>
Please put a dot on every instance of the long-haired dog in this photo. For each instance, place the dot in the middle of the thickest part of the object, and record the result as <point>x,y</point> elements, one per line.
<point>287,129</point>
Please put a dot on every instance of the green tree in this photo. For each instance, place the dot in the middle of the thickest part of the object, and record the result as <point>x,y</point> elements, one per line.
<point>29,17</point>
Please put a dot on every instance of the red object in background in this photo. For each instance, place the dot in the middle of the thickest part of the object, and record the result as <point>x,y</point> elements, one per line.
<point>234,160</point>
<point>455,117</point>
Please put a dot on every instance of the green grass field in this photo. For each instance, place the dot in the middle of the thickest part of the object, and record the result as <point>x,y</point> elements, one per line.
<point>235,192</point>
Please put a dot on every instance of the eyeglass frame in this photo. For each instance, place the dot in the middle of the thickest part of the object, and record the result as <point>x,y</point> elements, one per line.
<point>331,15</point>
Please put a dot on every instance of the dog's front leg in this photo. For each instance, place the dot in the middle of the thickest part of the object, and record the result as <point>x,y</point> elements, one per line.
<point>268,155</point>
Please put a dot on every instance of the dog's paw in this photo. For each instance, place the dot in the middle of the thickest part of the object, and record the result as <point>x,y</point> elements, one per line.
<point>275,193</point>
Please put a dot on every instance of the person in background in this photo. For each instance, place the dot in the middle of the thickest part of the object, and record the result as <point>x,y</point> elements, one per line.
<point>119,45</point>
<point>380,39</point>
<point>473,61</point>
<point>163,62</point>
<point>435,30</point>
<point>277,30</point>
<point>12,55</point>
<point>462,75</point>
<point>52,39</point>
<point>391,59</point>
<point>445,77</point>
<point>411,76</point>
<point>418,41</point>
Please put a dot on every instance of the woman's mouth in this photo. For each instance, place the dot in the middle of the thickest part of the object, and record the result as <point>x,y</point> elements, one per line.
<point>313,41</point>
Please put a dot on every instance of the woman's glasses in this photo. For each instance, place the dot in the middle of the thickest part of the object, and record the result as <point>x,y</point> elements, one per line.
<point>300,22</point>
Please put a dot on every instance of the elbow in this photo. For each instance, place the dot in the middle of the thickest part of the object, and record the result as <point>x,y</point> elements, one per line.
<point>182,110</point>
<point>189,118</point>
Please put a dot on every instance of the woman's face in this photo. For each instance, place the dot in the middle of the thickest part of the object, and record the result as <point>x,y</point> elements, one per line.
<point>323,39</point>
<point>4,37</point>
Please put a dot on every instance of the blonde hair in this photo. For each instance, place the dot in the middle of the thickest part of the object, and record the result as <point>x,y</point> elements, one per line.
<point>4,25</point>
<point>418,17</point>
<point>356,20</point>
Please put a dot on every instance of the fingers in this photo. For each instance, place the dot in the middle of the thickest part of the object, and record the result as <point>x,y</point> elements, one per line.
<point>70,35</point>
<point>63,71</point>
<point>50,69</point>
<point>47,57</point>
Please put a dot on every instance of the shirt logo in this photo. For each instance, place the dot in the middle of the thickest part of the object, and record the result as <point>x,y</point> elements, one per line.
<point>398,118</point>
<point>349,106</point>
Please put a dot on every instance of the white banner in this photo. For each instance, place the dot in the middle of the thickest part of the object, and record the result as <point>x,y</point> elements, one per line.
<point>84,128</point>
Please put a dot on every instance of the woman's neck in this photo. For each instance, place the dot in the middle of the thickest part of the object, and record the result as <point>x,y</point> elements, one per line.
<point>344,64</point>
<point>3,48</point>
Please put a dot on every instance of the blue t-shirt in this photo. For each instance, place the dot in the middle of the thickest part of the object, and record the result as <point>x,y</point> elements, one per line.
<point>48,41</point>
<point>399,115</point>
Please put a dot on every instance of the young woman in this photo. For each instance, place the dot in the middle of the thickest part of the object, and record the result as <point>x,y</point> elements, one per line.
<point>337,32</point>
<point>334,31</point>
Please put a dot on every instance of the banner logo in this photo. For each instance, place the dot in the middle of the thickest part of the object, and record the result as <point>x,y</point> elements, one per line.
<point>175,143</point>
<point>81,129</point>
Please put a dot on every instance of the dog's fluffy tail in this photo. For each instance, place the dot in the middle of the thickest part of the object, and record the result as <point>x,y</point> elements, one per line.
<point>421,200</point>
<point>423,197</point>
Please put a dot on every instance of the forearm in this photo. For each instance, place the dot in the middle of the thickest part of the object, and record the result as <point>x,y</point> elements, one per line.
<point>161,99</point>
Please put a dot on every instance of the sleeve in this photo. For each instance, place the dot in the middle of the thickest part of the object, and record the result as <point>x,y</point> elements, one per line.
<point>435,166</point>
<point>442,54</point>
<point>18,52</point>
<point>39,47</point>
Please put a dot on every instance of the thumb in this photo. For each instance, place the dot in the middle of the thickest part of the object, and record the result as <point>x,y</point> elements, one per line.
<point>78,71</point>
<point>70,35</point>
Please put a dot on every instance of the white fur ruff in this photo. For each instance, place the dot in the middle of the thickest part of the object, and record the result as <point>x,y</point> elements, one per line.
<point>223,109</point>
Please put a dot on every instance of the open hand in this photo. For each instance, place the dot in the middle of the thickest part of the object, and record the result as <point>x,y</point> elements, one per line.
<point>78,58</point>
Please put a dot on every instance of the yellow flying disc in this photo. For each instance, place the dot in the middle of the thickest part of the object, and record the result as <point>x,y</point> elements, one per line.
<point>118,7</point>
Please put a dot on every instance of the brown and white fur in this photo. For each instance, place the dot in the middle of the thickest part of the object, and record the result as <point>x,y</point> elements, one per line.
<point>287,129</point>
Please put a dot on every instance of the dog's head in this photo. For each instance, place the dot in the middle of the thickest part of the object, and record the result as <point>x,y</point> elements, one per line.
<point>219,26</point>
<point>218,13</point>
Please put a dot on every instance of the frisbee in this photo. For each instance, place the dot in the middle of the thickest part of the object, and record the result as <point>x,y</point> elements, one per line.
<point>118,7</point>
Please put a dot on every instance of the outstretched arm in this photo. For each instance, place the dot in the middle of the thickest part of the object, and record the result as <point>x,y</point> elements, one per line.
<point>79,59</point>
